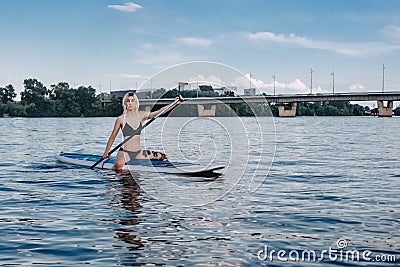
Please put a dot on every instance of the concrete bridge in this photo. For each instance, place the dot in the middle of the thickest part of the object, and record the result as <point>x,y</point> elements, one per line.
<point>287,104</point>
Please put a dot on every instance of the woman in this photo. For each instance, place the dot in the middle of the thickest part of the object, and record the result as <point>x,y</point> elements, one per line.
<point>131,122</point>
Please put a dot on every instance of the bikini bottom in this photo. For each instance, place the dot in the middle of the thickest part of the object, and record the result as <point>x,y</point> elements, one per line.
<point>132,154</point>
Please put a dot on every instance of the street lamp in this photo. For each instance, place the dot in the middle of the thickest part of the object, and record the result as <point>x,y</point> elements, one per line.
<point>274,77</point>
<point>311,81</point>
<point>383,78</point>
<point>333,81</point>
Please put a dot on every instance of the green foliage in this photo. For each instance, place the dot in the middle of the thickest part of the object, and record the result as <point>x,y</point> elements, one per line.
<point>63,101</point>
<point>170,94</point>
<point>228,93</point>
<point>330,108</point>
<point>64,98</point>
<point>3,109</point>
<point>397,111</point>
<point>7,93</point>
<point>16,109</point>
<point>157,94</point>
<point>100,109</point>
<point>86,99</point>
<point>242,109</point>
<point>274,110</point>
<point>36,99</point>
<point>206,88</point>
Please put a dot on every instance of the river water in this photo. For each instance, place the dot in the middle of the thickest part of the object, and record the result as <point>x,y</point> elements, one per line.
<point>334,184</point>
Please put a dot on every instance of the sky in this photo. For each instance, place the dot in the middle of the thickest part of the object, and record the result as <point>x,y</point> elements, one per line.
<point>118,44</point>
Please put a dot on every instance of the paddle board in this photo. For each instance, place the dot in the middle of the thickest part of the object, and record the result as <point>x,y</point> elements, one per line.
<point>139,165</point>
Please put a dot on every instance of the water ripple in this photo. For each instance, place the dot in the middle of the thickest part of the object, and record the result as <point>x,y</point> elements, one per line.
<point>327,182</point>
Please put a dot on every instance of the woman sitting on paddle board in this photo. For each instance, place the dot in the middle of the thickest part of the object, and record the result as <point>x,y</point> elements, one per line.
<point>131,122</point>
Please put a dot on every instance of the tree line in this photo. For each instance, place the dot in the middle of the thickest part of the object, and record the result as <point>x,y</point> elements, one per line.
<point>61,100</point>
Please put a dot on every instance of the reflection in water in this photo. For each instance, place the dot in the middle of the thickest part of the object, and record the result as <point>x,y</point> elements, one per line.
<point>126,197</point>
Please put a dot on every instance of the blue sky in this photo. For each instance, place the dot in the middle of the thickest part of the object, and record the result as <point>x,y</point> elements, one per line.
<point>94,42</point>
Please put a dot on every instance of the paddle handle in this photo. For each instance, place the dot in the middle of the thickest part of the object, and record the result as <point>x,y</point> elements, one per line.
<point>144,126</point>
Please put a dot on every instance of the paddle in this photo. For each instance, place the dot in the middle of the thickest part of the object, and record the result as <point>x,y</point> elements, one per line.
<point>144,126</point>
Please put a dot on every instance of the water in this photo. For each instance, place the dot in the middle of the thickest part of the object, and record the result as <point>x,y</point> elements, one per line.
<point>332,178</point>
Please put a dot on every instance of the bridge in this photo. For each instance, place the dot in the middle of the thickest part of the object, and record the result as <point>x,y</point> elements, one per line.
<point>287,104</point>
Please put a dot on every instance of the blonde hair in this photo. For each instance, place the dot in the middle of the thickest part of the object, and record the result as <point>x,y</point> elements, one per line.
<point>135,99</point>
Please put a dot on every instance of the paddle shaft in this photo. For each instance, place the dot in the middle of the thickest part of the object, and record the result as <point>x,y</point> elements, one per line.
<point>129,138</point>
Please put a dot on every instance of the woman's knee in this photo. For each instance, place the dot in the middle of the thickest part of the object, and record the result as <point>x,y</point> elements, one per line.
<point>119,162</point>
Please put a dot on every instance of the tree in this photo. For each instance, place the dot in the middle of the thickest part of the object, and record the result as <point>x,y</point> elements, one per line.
<point>64,99</point>
<point>116,108</point>
<point>86,99</point>
<point>397,111</point>
<point>34,91</point>
<point>7,93</point>
<point>3,109</point>
<point>171,93</point>
<point>228,93</point>
<point>16,109</point>
<point>159,93</point>
<point>205,88</point>
<point>36,99</point>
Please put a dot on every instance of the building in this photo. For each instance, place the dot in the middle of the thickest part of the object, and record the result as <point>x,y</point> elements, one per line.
<point>250,91</point>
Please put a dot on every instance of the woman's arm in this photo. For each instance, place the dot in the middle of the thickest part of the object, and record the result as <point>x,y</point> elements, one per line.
<point>155,113</point>
<point>112,137</point>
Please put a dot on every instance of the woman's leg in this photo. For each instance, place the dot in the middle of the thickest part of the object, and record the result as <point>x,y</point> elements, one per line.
<point>119,161</point>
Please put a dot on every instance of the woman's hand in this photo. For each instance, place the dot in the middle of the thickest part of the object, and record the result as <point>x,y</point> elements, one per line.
<point>180,98</point>
<point>106,155</point>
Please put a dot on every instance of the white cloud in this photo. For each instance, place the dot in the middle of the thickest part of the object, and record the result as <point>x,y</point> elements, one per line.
<point>349,49</point>
<point>357,87</point>
<point>212,80</point>
<point>196,41</point>
<point>319,90</point>
<point>297,86</point>
<point>127,7</point>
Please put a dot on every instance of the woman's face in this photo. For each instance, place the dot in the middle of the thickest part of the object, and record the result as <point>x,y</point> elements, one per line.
<point>130,103</point>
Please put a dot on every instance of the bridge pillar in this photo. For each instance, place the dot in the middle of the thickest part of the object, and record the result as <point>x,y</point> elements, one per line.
<point>206,112</point>
<point>284,110</point>
<point>385,111</point>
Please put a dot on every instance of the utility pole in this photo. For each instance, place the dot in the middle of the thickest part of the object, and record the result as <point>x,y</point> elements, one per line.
<point>333,81</point>
<point>311,81</point>
<point>383,78</point>
<point>102,97</point>
<point>198,88</point>
<point>274,77</point>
